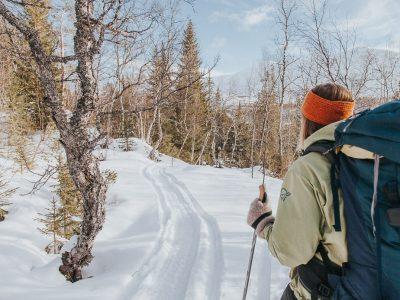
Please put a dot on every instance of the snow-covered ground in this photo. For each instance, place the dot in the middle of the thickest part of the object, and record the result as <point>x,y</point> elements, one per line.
<point>172,231</point>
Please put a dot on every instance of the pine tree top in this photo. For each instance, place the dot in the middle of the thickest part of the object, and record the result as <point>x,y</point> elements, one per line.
<point>190,57</point>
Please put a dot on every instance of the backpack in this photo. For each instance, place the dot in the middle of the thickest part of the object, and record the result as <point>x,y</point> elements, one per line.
<point>371,201</point>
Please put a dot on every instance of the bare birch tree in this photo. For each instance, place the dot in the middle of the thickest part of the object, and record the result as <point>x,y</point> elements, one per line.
<point>334,50</point>
<point>96,22</point>
<point>286,10</point>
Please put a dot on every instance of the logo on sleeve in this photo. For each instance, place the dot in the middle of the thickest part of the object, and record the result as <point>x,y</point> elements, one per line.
<point>284,194</point>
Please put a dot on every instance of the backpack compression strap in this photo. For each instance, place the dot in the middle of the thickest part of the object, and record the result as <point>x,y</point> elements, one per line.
<point>314,275</point>
<point>327,149</point>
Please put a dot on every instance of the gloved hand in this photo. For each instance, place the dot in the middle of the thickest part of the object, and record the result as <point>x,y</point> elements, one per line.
<point>260,214</point>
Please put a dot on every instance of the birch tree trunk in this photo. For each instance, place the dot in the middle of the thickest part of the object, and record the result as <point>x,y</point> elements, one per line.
<point>74,136</point>
<point>82,164</point>
<point>198,162</point>
<point>151,125</point>
<point>157,145</point>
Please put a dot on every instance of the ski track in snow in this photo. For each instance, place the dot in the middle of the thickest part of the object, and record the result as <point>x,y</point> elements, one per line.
<point>186,260</point>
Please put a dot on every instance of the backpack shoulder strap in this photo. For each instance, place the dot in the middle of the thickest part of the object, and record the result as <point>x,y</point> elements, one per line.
<point>314,274</point>
<point>323,147</point>
<point>327,149</point>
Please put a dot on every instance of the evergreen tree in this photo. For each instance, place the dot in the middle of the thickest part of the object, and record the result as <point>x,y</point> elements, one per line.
<point>70,210</point>
<point>52,225</point>
<point>19,127</point>
<point>218,123</point>
<point>5,67</point>
<point>159,91</point>
<point>63,217</point>
<point>237,145</point>
<point>26,92</point>
<point>26,111</point>
<point>268,142</point>
<point>126,143</point>
<point>160,78</point>
<point>191,106</point>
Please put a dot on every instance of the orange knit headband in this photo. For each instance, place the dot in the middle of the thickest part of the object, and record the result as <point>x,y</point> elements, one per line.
<point>324,111</point>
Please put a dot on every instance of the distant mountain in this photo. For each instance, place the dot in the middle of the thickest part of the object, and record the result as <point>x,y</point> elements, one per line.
<point>237,83</point>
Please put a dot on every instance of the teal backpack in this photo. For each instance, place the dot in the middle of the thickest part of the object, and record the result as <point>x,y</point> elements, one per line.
<point>371,195</point>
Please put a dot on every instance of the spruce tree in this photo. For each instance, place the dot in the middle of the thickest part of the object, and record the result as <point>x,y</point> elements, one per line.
<point>52,224</point>
<point>19,127</point>
<point>26,92</point>
<point>158,92</point>
<point>70,209</point>
<point>159,81</point>
<point>126,144</point>
<point>237,145</point>
<point>63,217</point>
<point>268,143</point>
<point>191,106</point>
<point>5,67</point>
<point>26,112</point>
<point>218,120</point>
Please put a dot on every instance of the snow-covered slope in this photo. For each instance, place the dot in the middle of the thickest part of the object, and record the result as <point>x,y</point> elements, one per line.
<point>172,231</point>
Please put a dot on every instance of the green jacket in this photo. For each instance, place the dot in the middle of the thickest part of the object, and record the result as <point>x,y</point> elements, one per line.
<point>305,214</point>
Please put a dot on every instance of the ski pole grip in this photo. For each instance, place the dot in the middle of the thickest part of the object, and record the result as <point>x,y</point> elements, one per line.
<point>263,194</point>
<point>264,198</point>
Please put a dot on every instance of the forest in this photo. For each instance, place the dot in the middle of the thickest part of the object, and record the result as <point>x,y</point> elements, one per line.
<point>78,76</point>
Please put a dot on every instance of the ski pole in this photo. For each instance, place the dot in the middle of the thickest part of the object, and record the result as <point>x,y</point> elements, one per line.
<point>253,246</point>
<point>262,196</point>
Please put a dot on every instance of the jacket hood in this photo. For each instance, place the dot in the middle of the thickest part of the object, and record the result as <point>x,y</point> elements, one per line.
<point>326,133</point>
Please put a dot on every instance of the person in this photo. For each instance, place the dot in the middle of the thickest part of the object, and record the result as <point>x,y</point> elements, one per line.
<point>303,233</point>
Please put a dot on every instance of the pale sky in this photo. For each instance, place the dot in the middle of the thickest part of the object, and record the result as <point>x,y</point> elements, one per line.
<point>239,30</point>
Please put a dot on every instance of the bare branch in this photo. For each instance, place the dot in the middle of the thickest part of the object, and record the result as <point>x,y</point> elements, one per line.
<point>43,179</point>
<point>64,59</point>
<point>14,20</point>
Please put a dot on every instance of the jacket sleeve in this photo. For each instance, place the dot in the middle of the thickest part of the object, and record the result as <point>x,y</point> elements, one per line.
<point>294,236</point>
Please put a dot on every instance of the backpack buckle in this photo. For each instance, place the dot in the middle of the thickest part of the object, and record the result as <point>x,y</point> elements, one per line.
<point>393,216</point>
<point>324,290</point>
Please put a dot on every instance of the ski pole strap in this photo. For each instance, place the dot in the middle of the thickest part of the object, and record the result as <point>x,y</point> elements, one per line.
<point>260,218</point>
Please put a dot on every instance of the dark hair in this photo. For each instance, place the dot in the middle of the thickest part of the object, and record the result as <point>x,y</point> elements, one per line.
<point>329,91</point>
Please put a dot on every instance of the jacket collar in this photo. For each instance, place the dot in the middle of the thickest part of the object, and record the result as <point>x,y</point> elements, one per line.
<point>326,133</point>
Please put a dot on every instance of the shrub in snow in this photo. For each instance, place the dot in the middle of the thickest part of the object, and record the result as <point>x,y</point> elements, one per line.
<point>54,247</point>
<point>5,194</point>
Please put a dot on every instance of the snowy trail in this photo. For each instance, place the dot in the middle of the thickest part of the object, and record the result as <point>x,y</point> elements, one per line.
<point>209,265</point>
<point>172,232</point>
<point>186,260</point>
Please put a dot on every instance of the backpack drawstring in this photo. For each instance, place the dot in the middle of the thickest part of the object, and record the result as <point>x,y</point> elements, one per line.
<point>375,194</point>
<point>376,226</point>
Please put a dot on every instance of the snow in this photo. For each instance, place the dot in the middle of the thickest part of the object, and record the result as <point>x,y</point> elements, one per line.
<point>172,231</point>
